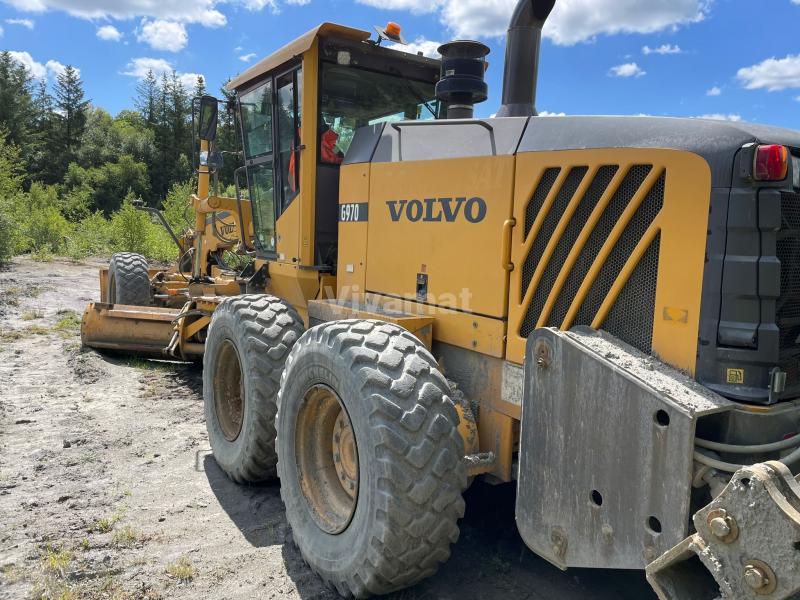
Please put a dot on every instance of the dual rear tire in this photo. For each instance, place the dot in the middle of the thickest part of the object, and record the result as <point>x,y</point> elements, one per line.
<point>365,436</point>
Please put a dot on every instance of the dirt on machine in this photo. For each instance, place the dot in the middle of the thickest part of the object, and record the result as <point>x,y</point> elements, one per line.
<point>603,310</point>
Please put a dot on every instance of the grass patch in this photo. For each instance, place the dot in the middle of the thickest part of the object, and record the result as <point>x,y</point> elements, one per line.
<point>126,536</point>
<point>145,364</point>
<point>69,321</point>
<point>56,561</point>
<point>32,315</point>
<point>10,335</point>
<point>106,524</point>
<point>13,574</point>
<point>37,330</point>
<point>182,569</point>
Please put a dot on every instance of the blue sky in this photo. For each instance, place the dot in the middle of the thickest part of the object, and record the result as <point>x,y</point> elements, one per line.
<point>737,59</point>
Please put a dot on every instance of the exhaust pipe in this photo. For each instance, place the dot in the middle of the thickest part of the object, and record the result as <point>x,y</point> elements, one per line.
<point>523,46</point>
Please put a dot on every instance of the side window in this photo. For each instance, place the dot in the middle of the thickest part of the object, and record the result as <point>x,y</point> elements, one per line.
<point>256,110</point>
<point>289,111</point>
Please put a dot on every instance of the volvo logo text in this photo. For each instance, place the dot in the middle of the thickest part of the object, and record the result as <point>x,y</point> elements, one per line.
<point>434,210</point>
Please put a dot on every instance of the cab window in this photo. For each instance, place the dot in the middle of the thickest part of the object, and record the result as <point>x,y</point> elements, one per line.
<point>353,97</point>
<point>289,99</point>
<point>256,115</point>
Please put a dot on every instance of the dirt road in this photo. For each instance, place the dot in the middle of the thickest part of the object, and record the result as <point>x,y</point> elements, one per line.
<point>108,490</point>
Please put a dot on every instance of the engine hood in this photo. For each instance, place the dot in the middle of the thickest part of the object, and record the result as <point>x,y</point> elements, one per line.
<point>716,141</point>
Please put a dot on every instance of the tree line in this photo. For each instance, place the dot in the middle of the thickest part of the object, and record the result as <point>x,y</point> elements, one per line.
<point>72,159</point>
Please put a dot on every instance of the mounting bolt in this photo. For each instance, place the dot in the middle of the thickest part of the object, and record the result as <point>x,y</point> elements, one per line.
<point>719,527</point>
<point>755,578</point>
<point>722,526</point>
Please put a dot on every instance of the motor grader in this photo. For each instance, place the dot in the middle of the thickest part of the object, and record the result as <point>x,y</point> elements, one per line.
<point>604,310</point>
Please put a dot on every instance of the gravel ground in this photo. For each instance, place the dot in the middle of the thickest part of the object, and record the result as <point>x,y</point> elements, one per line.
<point>108,488</point>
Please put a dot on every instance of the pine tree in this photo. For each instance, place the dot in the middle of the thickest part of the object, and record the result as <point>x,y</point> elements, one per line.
<point>200,87</point>
<point>44,164</point>
<point>147,98</point>
<point>71,112</point>
<point>16,103</point>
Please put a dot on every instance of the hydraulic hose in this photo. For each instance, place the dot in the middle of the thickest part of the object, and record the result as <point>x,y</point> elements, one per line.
<point>792,442</point>
<point>727,467</point>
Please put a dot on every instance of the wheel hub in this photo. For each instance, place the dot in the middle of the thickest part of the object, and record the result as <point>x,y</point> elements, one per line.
<point>229,391</point>
<point>327,459</point>
<point>345,458</point>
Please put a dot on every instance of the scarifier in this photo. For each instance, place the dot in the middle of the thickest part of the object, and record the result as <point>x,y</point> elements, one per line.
<point>603,309</point>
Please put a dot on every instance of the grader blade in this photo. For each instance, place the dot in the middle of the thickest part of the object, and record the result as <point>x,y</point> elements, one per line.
<point>747,544</point>
<point>144,330</point>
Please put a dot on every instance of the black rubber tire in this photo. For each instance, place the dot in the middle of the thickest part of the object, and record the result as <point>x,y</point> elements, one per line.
<point>263,329</point>
<point>129,280</point>
<point>412,473</point>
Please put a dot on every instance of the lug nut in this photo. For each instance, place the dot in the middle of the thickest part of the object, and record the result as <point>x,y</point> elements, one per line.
<point>755,578</point>
<point>720,527</point>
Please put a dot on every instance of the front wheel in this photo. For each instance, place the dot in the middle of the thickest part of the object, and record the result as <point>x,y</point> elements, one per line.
<point>128,279</point>
<point>369,457</point>
<point>248,341</point>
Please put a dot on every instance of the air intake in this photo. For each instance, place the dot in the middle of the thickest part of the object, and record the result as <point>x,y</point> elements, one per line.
<point>461,85</point>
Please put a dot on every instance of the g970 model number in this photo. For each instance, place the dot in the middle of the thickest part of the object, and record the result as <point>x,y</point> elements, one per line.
<point>353,212</point>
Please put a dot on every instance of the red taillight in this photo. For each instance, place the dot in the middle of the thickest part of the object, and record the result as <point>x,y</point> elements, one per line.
<point>772,163</point>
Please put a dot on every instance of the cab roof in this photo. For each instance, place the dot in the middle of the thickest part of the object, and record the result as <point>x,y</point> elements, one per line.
<point>296,48</point>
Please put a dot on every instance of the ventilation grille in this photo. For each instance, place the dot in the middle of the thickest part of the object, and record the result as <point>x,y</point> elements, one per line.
<point>631,316</point>
<point>788,308</point>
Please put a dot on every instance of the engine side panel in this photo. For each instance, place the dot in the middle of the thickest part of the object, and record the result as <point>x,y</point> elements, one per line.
<point>614,239</point>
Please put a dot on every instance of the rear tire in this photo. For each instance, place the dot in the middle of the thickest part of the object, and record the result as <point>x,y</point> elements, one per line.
<point>128,280</point>
<point>248,341</point>
<point>380,380</point>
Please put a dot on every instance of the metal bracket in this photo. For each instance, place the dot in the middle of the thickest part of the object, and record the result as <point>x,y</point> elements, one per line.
<point>762,503</point>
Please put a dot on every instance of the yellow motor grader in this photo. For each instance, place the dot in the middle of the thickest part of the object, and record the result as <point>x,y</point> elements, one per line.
<point>605,310</point>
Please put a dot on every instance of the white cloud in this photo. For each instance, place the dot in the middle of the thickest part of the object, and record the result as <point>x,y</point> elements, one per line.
<point>427,47</point>
<point>572,21</point>
<point>21,22</point>
<point>109,33</point>
<point>547,113</point>
<point>714,91</point>
<point>56,68</point>
<point>627,70</point>
<point>36,69</point>
<point>189,80</point>
<point>663,50</point>
<point>773,74</point>
<point>721,117</point>
<point>196,11</point>
<point>2,31</point>
<point>170,36</point>
<point>139,67</point>
<point>247,57</point>
<point>204,12</point>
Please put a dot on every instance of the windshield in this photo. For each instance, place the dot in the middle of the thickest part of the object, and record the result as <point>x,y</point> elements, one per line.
<point>354,97</point>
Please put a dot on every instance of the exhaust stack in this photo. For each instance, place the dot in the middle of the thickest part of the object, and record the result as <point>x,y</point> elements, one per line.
<point>523,46</point>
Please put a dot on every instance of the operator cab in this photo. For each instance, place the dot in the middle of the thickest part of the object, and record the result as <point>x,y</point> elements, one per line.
<point>299,109</point>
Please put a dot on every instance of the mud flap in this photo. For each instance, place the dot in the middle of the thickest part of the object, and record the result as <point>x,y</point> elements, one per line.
<point>759,558</point>
<point>606,451</point>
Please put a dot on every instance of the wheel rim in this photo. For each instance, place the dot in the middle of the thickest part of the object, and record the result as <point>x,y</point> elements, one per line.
<point>327,459</point>
<point>229,391</point>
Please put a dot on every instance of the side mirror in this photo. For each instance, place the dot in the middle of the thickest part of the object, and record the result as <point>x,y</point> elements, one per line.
<point>209,107</point>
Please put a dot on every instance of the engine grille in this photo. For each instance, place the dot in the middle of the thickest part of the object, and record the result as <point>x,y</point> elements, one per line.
<point>564,222</point>
<point>788,307</point>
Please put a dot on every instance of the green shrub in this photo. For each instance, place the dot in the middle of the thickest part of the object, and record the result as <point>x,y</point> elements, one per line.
<point>43,229</point>
<point>90,237</point>
<point>130,229</point>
